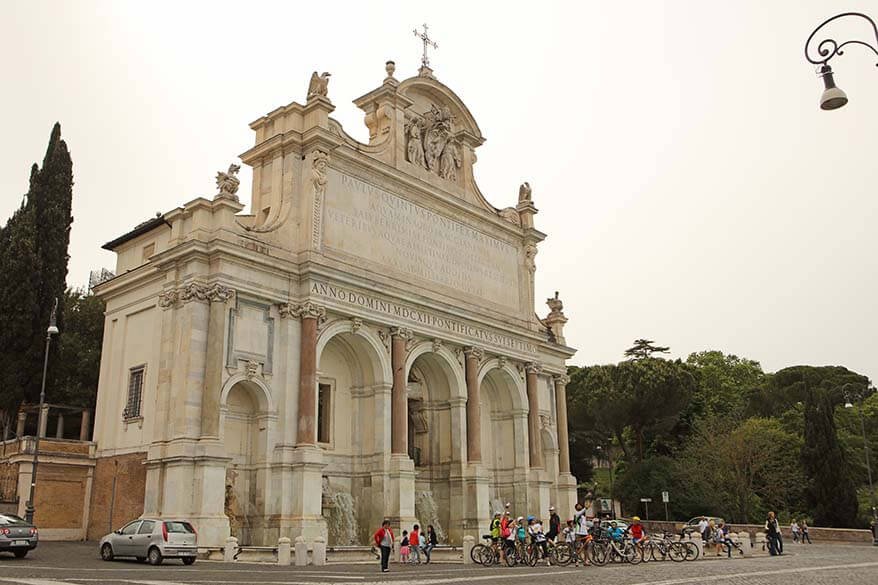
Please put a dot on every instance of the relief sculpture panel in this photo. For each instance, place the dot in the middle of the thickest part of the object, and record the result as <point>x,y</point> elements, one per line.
<point>368,222</point>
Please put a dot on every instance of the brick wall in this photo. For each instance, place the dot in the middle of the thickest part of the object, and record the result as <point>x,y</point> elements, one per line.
<point>8,481</point>
<point>60,496</point>
<point>130,473</point>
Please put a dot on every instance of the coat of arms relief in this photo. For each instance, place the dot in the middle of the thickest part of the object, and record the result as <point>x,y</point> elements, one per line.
<point>430,144</point>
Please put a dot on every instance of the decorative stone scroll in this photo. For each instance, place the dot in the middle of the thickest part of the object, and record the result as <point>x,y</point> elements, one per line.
<point>430,144</point>
<point>319,164</point>
<point>533,368</point>
<point>195,291</point>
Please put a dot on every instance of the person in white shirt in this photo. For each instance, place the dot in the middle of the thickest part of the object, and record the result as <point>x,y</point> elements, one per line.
<point>535,529</point>
<point>794,528</point>
<point>703,525</point>
<point>580,519</point>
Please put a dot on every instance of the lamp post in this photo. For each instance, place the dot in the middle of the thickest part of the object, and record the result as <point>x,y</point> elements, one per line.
<point>833,97</point>
<point>52,330</point>
<point>848,404</point>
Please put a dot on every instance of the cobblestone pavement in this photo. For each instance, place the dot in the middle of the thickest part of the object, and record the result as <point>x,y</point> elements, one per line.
<point>79,564</point>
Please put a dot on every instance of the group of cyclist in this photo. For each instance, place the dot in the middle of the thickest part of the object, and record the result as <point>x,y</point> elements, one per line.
<point>523,539</point>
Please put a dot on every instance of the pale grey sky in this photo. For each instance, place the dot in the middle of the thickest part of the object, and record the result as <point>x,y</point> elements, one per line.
<point>692,190</point>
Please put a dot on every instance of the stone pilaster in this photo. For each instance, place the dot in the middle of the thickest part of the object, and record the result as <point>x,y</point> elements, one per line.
<point>566,481</point>
<point>535,442</point>
<point>473,412</point>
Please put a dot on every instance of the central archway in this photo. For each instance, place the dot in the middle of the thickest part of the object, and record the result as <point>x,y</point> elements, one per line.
<point>436,392</point>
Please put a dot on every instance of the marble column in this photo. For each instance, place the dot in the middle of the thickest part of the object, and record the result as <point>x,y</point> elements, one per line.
<point>85,425</point>
<point>43,421</point>
<point>19,427</point>
<point>398,399</point>
<point>306,430</point>
<point>473,412</point>
<point>561,410</point>
<point>535,442</point>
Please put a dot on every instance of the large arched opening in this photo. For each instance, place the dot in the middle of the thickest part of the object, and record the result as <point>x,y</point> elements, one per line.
<point>353,428</point>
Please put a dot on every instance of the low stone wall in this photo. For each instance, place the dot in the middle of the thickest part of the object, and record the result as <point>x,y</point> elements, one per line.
<point>816,533</point>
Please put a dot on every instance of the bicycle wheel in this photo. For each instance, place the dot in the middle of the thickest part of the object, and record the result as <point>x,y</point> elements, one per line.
<point>533,555</point>
<point>599,553</point>
<point>511,556</point>
<point>478,554</point>
<point>631,553</point>
<point>646,551</point>
<point>692,551</point>
<point>677,552</point>
<point>562,554</point>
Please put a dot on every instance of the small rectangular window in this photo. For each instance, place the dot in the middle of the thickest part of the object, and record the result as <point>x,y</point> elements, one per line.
<point>148,250</point>
<point>324,411</point>
<point>135,392</point>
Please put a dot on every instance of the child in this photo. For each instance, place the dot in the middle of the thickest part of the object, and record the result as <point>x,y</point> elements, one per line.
<point>536,533</point>
<point>404,547</point>
<point>569,533</point>
<point>415,544</point>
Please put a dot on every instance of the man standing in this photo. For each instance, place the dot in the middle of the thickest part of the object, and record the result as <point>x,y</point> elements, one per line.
<point>554,524</point>
<point>384,540</point>
<point>703,525</point>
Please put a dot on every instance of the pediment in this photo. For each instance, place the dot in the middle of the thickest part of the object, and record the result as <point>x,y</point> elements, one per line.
<point>428,94</point>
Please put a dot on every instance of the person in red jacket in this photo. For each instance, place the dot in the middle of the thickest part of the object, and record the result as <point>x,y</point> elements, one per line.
<point>384,541</point>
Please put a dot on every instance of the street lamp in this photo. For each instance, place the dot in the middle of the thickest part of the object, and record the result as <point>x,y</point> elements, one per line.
<point>833,97</point>
<point>52,330</point>
<point>848,404</point>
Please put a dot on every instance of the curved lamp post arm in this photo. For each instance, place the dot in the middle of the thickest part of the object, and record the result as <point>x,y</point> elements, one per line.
<point>829,48</point>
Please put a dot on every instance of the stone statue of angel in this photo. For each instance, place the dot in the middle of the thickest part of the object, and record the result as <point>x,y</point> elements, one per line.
<point>228,183</point>
<point>319,85</point>
<point>450,161</point>
<point>524,192</point>
<point>415,147</point>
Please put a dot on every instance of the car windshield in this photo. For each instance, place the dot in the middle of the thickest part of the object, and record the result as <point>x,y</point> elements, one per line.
<point>179,527</point>
<point>11,520</point>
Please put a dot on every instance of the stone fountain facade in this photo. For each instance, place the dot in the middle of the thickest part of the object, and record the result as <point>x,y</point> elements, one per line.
<point>366,331</point>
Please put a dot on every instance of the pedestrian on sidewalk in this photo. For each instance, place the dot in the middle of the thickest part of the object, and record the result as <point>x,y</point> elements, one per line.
<point>415,544</point>
<point>554,525</point>
<point>404,547</point>
<point>432,541</point>
<point>804,531</point>
<point>772,535</point>
<point>384,540</point>
<point>794,528</point>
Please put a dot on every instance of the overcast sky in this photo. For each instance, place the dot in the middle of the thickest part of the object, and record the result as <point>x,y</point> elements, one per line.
<point>692,190</point>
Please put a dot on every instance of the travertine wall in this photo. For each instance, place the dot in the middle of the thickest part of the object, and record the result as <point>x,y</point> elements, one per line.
<point>130,473</point>
<point>60,500</point>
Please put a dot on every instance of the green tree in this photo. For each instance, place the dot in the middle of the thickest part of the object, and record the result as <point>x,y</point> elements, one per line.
<point>831,495</point>
<point>33,260</point>
<point>79,350</point>
<point>644,348</point>
<point>725,383</point>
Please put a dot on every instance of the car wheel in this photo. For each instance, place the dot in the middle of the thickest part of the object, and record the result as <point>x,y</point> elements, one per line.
<point>188,560</point>
<point>107,552</point>
<point>154,556</point>
<point>20,554</point>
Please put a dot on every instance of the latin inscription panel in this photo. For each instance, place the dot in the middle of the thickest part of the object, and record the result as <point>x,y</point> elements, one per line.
<point>368,222</point>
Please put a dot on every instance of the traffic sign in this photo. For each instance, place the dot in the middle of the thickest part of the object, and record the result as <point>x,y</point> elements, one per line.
<point>665,497</point>
<point>647,500</point>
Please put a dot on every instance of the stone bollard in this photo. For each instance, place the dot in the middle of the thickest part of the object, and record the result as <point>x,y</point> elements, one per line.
<point>284,552</point>
<point>318,552</point>
<point>760,542</point>
<point>746,545</point>
<point>230,550</point>
<point>301,552</point>
<point>468,543</point>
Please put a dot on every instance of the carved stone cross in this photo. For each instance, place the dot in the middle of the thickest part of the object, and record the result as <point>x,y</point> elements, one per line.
<point>425,61</point>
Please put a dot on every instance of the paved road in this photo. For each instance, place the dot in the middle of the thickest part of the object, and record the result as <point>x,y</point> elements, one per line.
<point>79,564</point>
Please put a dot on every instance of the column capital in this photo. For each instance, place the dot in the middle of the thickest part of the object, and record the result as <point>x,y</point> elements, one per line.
<point>406,334</point>
<point>306,310</point>
<point>474,351</point>
<point>533,367</point>
<point>561,379</point>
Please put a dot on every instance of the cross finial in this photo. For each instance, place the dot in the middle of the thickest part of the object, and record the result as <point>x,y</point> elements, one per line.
<point>425,61</point>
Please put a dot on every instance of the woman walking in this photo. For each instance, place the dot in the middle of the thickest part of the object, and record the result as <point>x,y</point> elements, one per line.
<point>384,540</point>
<point>804,530</point>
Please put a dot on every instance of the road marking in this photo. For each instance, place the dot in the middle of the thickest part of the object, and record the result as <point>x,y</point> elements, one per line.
<point>33,581</point>
<point>725,576</point>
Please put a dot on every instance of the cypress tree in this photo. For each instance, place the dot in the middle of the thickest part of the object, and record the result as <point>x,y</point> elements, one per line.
<point>33,262</point>
<point>831,495</point>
